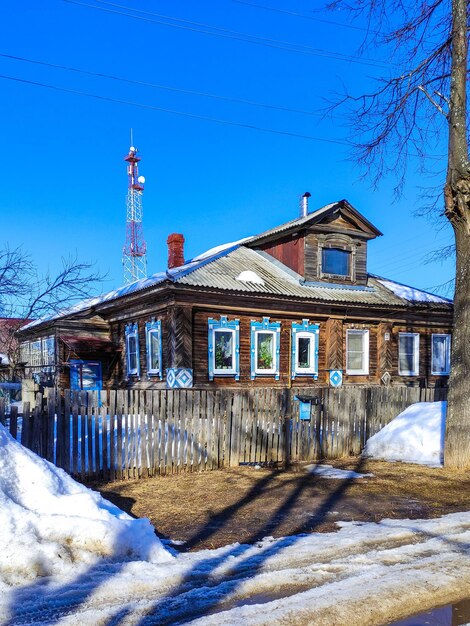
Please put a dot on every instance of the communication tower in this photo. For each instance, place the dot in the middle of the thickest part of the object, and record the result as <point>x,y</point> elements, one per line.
<point>134,252</point>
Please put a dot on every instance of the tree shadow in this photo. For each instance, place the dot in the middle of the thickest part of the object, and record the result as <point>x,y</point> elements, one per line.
<point>202,590</point>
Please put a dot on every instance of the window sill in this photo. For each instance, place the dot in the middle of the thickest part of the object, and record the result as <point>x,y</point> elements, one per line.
<point>233,373</point>
<point>305,373</point>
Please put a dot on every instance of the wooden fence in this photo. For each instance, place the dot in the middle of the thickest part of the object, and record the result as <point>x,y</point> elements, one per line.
<point>129,434</point>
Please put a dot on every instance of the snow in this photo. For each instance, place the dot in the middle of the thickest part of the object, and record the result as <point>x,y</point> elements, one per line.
<point>218,249</point>
<point>4,360</point>
<point>248,276</point>
<point>363,574</point>
<point>50,523</point>
<point>68,556</point>
<point>138,285</point>
<point>414,436</point>
<point>410,293</point>
<point>328,471</point>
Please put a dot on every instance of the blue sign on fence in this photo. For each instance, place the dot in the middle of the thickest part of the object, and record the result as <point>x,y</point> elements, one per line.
<point>304,410</point>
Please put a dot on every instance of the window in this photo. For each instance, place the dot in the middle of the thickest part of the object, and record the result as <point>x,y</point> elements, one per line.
<point>357,352</point>
<point>48,350</point>
<point>265,350</point>
<point>440,354</point>
<point>39,355</point>
<point>408,354</point>
<point>132,350</point>
<point>305,349</point>
<point>153,331</point>
<point>25,352</point>
<point>224,347</point>
<point>336,261</point>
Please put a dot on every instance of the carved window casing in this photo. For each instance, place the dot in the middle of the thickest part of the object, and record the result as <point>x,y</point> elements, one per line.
<point>344,260</point>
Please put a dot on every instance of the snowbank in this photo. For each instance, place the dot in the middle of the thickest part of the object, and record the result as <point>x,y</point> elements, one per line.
<point>414,436</point>
<point>49,523</point>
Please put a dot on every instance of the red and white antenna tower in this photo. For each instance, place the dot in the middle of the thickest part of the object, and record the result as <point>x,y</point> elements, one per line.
<point>134,252</point>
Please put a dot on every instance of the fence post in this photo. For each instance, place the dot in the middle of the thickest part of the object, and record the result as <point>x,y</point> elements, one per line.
<point>14,421</point>
<point>26,430</point>
<point>286,409</point>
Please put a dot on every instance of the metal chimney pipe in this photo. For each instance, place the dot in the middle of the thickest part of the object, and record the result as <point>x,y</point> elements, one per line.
<point>304,204</point>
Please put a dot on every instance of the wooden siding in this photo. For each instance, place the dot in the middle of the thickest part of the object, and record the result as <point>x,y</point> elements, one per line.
<point>179,339</point>
<point>383,355</point>
<point>314,242</point>
<point>200,353</point>
<point>289,250</point>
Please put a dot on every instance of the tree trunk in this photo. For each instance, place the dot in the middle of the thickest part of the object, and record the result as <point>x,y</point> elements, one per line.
<point>457,440</point>
<point>457,209</point>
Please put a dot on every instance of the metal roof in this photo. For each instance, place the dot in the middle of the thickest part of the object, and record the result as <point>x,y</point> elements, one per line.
<point>223,269</point>
<point>276,279</point>
<point>311,218</point>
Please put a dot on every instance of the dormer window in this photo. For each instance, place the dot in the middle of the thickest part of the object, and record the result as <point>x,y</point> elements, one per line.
<point>336,261</point>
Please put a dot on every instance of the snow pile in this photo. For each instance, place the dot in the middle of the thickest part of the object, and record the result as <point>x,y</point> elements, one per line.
<point>49,522</point>
<point>248,276</point>
<point>328,471</point>
<point>414,436</point>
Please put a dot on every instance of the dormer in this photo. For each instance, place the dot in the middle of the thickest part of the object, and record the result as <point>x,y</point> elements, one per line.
<point>327,246</point>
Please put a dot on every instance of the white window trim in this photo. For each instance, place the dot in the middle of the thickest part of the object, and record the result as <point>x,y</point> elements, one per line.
<point>134,371</point>
<point>365,350</point>
<point>415,371</point>
<point>313,346</point>
<point>448,347</point>
<point>232,370</point>
<point>274,344</point>
<point>152,370</point>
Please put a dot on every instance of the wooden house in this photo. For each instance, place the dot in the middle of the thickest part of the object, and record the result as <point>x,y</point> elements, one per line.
<point>295,303</point>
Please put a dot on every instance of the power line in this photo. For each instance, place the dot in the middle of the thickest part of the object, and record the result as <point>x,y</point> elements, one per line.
<point>158,86</point>
<point>197,116</point>
<point>217,31</point>
<point>305,17</point>
<point>206,118</point>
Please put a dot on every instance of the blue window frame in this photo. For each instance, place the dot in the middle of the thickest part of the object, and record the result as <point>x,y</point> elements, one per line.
<point>265,348</point>
<point>304,356</point>
<point>336,261</point>
<point>85,375</point>
<point>132,350</point>
<point>224,347</point>
<point>153,342</point>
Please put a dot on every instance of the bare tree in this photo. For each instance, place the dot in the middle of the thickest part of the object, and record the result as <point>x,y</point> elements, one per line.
<point>423,97</point>
<point>25,295</point>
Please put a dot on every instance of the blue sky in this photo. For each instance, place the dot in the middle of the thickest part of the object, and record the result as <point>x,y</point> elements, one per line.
<point>64,178</point>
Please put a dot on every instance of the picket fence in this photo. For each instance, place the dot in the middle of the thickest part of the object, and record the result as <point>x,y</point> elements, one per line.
<point>128,434</point>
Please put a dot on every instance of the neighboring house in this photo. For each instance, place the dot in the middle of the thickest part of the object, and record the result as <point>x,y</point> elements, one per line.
<point>295,303</point>
<point>10,369</point>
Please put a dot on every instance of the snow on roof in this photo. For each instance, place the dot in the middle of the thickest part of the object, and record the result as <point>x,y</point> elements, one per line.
<point>411,293</point>
<point>225,247</point>
<point>50,523</point>
<point>414,436</point>
<point>248,276</point>
<point>200,261</point>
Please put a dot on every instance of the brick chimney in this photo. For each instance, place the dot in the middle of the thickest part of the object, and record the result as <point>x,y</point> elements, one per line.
<point>175,244</point>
